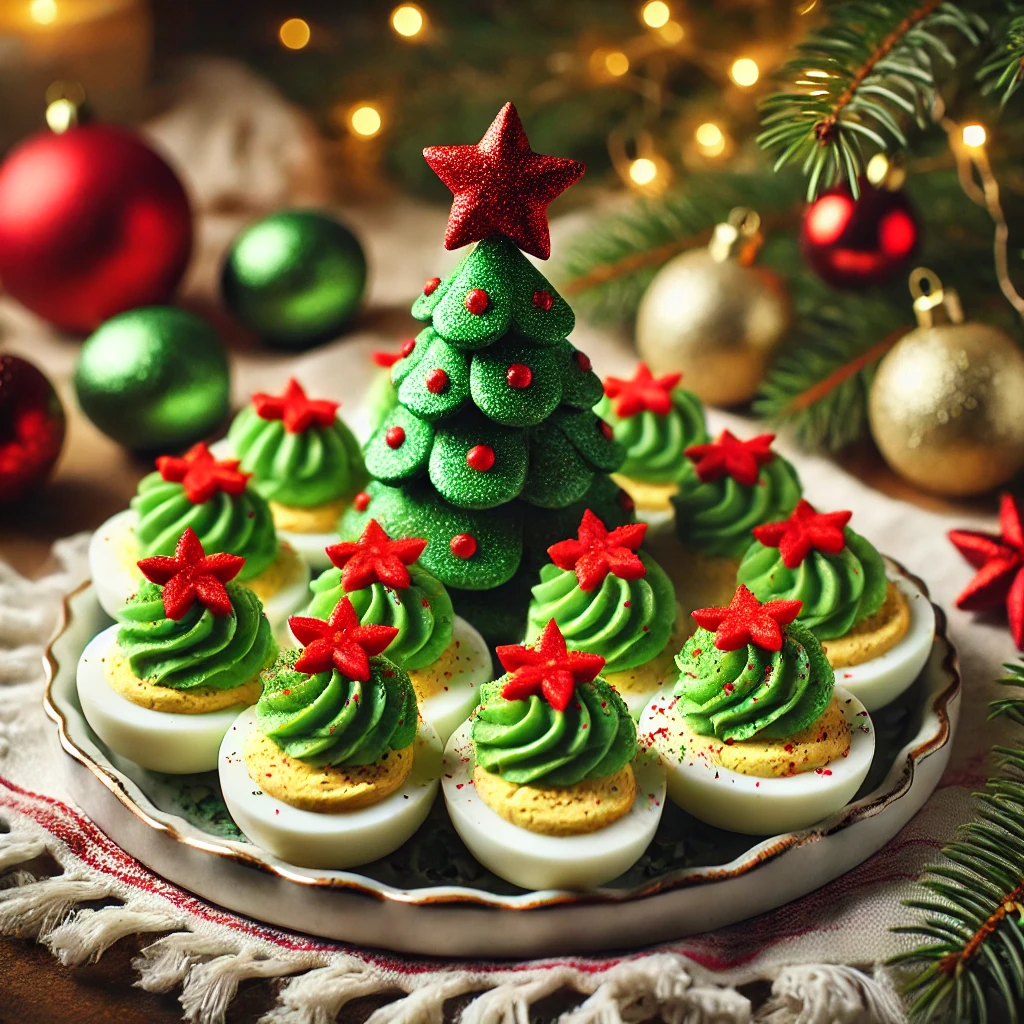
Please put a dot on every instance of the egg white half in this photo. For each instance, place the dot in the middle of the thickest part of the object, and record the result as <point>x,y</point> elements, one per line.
<point>749,803</point>
<point>536,861</point>
<point>311,839</point>
<point>161,741</point>
<point>881,680</point>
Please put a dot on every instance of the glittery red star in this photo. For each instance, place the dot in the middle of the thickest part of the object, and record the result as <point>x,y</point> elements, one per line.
<point>747,621</point>
<point>729,456</point>
<point>294,409</point>
<point>192,575</point>
<point>642,392</point>
<point>501,187</point>
<point>596,551</point>
<point>805,530</point>
<point>375,557</point>
<point>548,669</point>
<point>340,642</point>
<point>201,474</point>
<point>1000,563</point>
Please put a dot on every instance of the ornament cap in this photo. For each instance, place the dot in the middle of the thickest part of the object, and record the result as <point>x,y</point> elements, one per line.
<point>738,237</point>
<point>933,304</point>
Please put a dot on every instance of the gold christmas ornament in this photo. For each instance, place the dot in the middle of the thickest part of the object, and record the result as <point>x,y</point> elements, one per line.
<point>947,403</point>
<point>712,315</point>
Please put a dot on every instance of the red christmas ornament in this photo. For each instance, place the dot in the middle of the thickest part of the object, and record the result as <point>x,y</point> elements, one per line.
<point>201,474</point>
<point>463,545</point>
<point>596,551</point>
<point>805,530</point>
<point>191,576</point>
<point>430,285</point>
<point>729,456</point>
<point>294,409</point>
<point>642,392</point>
<point>92,223</point>
<point>340,642</point>
<point>999,560</point>
<point>747,621</point>
<point>436,381</point>
<point>548,669</point>
<point>361,501</point>
<point>477,301</point>
<point>395,437</point>
<point>31,427</point>
<point>854,243</point>
<point>519,376</point>
<point>375,558</point>
<point>501,187</point>
<point>480,457</point>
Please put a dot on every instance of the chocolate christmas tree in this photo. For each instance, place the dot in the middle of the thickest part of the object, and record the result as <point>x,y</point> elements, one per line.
<point>493,451</point>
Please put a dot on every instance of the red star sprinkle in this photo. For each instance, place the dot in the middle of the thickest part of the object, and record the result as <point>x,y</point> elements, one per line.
<point>375,557</point>
<point>747,621</point>
<point>501,187</point>
<point>548,669</point>
<point>999,560</point>
<point>294,409</point>
<point>192,575</point>
<point>201,474</point>
<point>340,642</point>
<point>596,551</point>
<point>805,530</point>
<point>642,392</point>
<point>729,456</point>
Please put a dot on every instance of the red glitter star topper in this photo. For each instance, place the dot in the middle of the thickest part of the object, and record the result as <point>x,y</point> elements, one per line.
<point>596,551</point>
<point>805,530</point>
<point>747,621</point>
<point>340,642</point>
<point>729,456</point>
<point>642,392</point>
<point>201,474</point>
<point>375,557</point>
<point>548,669</point>
<point>294,409</point>
<point>192,575</point>
<point>999,560</point>
<point>501,187</point>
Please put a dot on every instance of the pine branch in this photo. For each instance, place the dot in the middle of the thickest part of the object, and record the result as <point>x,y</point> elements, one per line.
<point>1003,71</point>
<point>859,81</point>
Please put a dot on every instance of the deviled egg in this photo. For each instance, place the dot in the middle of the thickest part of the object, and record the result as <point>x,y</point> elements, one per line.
<point>164,686</point>
<point>543,783</point>
<point>333,767</point>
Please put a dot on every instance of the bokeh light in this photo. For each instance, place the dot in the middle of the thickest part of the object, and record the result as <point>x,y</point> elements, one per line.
<point>616,63</point>
<point>43,12</point>
<point>745,72</point>
<point>408,20</point>
<point>974,135</point>
<point>294,33</point>
<point>655,13</point>
<point>642,171</point>
<point>365,120</point>
<point>710,139</point>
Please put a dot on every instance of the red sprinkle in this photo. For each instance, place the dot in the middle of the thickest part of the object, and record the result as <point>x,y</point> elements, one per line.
<point>480,457</point>
<point>407,346</point>
<point>583,361</point>
<point>286,692</point>
<point>728,687</point>
<point>626,503</point>
<point>430,285</point>
<point>519,376</point>
<point>436,381</point>
<point>477,301</point>
<point>361,501</point>
<point>697,652</point>
<point>463,545</point>
<point>605,429</point>
<point>395,437</point>
<point>543,300</point>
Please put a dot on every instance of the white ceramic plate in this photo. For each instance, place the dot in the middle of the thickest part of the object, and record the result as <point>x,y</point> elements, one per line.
<point>431,896</point>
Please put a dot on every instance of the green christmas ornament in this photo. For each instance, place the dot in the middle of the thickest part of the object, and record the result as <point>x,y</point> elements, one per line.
<point>294,278</point>
<point>154,378</point>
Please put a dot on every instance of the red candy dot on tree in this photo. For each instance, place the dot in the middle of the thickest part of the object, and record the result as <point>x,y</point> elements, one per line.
<point>605,429</point>
<point>626,503</point>
<point>395,437</point>
<point>430,285</point>
<point>543,300</point>
<point>519,376</point>
<point>361,501</point>
<point>463,545</point>
<point>480,457</point>
<point>477,301</point>
<point>407,346</point>
<point>583,361</point>
<point>436,381</point>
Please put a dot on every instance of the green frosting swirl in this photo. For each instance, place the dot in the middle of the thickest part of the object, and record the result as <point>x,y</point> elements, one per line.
<point>328,719</point>
<point>240,525</point>
<point>655,444</point>
<point>627,622</point>
<point>734,695</point>
<point>422,613</point>
<point>318,465</point>
<point>528,741</point>
<point>837,591</point>
<point>716,518</point>
<point>200,649</point>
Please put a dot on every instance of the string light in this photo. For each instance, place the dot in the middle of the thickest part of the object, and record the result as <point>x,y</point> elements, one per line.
<point>672,32</point>
<point>294,33</point>
<point>974,135</point>
<point>43,12</point>
<point>365,120</point>
<point>710,139</point>
<point>61,115</point>
<point>408,20</point>
<point>655,14</point>
<point>745,72</point>
<point>616,63</point>
<point>643,171</point>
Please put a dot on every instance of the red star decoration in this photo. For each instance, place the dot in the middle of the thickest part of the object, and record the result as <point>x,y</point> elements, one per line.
<point>596,551</point>
<point>805,530</point>
<point>375,557</point>
<point>747,621</point>
<point>501,187</point>
<point>201,474</point>
<point>642,392</point>
<point>1000,563</point>
<point>548,669</point>
<point>729,456</point>
<point>340,642</point>
<point>192,575</point>
<point>294,409</point>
